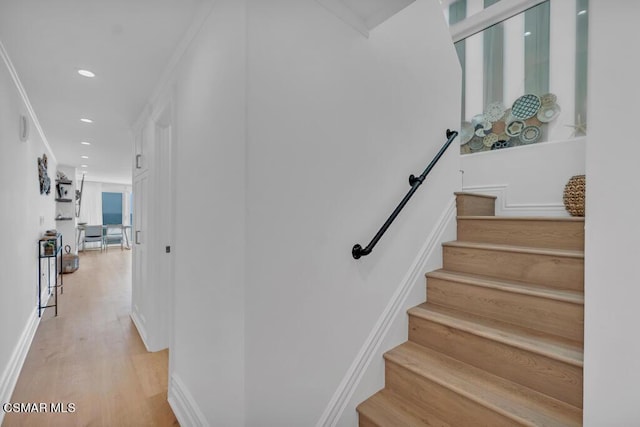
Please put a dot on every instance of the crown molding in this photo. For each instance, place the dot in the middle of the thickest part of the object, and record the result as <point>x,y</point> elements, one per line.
<point>163,87</point>
<point>348,16</point>
<point>360,18</point>
<point>25,99</point>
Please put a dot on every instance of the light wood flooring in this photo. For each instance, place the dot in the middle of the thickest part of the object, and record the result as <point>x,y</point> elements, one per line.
<point>91,355</point>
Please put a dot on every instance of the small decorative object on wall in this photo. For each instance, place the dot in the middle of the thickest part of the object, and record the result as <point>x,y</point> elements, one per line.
<point>580,128</point>
<point>499,127</point>
<point>574,195</point>
<point>45,181</point>
<point>79,198</point>
<point>60,176</point>
<point>62,192</point>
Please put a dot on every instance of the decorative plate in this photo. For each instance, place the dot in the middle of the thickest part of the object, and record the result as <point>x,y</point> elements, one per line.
<point>533,121</point>
<point>476,144</point>
<point>530,134</point>
<point>498,127</point>
<point>478,120</point>
<point>548,99</point>
<point>490,139</point>
<point>466,132</point>
<point>514,128</point>
<point>526,106</point>
<point>500,144</point>
<point>494,111</point>
<point>548,113</point>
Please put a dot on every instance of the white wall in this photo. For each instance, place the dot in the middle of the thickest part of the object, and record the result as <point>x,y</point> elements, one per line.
<point>290,146</point>
<point>612,278</point>
<point>336,123</point>
<point>528,180</point>
<point>207,355</point>
<point>21,210</point>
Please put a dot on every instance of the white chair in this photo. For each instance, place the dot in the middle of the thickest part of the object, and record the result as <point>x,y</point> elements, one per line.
<point>92,234</point>
<point>113,234</point>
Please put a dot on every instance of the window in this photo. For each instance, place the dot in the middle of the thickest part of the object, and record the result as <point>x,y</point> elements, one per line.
<point>111,208</point>
<point>524,79</point>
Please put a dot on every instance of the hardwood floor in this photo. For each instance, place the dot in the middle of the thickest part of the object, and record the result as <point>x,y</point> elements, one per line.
<point>91,355</point>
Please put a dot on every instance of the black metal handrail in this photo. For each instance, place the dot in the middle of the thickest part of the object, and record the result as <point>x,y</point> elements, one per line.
<point>415,182</point>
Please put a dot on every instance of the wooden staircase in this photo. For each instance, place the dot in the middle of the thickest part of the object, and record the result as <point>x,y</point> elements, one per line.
<point>499,341</point>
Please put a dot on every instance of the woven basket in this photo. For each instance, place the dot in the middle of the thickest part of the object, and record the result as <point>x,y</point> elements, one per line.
<point>574,193</point>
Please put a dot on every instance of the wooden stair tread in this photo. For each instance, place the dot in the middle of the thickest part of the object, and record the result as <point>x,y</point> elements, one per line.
<point>554,347</point>
<point>524,218</point>
<point>387,409</point>
<point>509,399</point>
<point>540,291</point>
<point>565,253</point>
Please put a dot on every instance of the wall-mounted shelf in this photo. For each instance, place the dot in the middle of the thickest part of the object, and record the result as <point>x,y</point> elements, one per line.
<point>64,200</point>
<point>63,219</point>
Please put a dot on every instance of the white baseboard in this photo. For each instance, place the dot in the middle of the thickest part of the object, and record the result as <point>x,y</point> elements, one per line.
<point>505,208</point>
<point>183,404</point>
<point>150,342</point>
<point>141,330</point>
<point>9,377</point>
<point>396,307</point>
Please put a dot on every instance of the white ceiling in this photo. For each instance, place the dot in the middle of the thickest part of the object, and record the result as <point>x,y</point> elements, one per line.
<point>127,43</point>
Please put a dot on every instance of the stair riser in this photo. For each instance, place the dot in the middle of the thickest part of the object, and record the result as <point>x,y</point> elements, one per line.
<point>547,270</point>
<point>439,400</point>
<point>533,233</point>
<point>542,314</point>
<point>467,204</point>
<point>386,410</point>
<point>363,421</point>
<point>552,377</point>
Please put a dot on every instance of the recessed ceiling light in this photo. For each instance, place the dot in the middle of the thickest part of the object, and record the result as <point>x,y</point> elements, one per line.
<point>582,12</point>
<point>86,73</point>
<point>85,143</point>
<point>84,157</point>
<point>84,166</point>
<point>528,33</point>
<point>86,120</point>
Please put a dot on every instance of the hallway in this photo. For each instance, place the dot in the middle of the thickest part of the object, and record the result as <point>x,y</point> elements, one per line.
<point>91,355</point>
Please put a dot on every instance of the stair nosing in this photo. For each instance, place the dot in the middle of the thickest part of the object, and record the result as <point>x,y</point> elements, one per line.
<point>467,394</point>
<point>523,288</point>
<point>491,333</point>
<point>563,253</point>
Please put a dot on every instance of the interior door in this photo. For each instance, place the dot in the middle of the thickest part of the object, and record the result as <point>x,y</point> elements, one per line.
<point>140,259</point>
<point>153,232</point>
<point>163,286</point>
